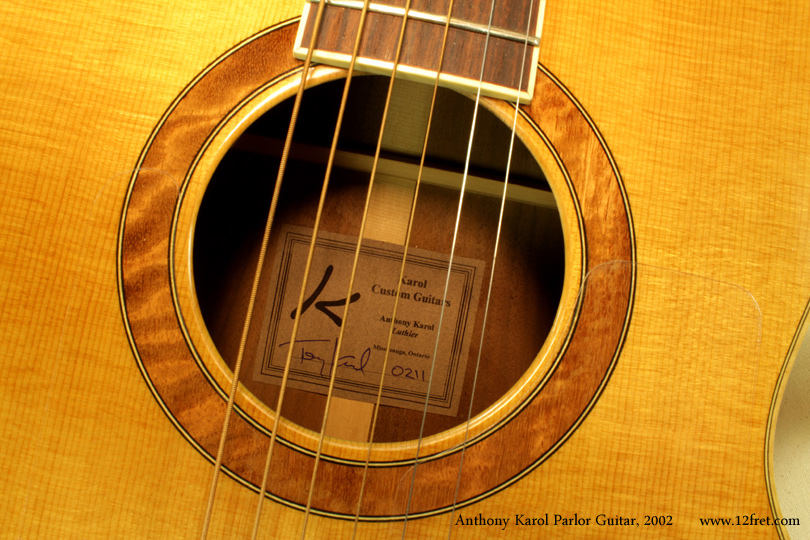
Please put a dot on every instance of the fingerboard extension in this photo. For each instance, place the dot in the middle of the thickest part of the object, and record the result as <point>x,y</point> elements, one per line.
<point>510,41</point>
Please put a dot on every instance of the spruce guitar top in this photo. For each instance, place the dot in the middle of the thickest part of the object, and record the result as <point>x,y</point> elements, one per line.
<point>547,279</point>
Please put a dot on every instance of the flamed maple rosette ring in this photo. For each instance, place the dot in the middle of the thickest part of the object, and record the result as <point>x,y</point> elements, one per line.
<point>187,378</point>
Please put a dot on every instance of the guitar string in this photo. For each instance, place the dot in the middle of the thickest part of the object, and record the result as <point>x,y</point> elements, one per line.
<point>255,286</point>
<point>308,265</point>
<point>492,271</point>
<point>449,267</point>
<point>402,270</point>
<point>309,260</point>
<point>339,343</point>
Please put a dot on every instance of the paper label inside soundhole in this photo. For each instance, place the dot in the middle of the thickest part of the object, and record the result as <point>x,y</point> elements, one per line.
<point>424,317</point>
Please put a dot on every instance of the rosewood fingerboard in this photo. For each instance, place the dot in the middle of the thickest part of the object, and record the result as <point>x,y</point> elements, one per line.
<point>504,74</point>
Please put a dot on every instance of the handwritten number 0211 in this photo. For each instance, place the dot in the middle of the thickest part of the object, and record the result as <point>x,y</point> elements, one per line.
<point>408,373</point>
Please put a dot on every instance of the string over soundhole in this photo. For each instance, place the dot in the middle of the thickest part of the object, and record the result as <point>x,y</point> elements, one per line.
<point>527,284</point>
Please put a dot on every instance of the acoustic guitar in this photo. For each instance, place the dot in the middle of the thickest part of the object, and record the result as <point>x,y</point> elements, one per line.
<point>400,270</point>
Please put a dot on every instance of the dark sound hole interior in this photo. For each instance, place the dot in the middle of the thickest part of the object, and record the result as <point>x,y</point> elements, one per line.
<point>530,265</point>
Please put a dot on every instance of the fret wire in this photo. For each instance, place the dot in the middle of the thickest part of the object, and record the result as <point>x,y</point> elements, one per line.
<point>409,230</point>
<point>251,304</point>
<point>489,289</point>
<point>435,19</point>
<point>449,269</point>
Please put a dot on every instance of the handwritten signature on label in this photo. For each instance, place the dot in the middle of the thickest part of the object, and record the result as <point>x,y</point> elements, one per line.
<point>308,354</point>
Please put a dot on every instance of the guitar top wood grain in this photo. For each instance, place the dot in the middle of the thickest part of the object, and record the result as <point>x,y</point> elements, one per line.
<point>677,134</point>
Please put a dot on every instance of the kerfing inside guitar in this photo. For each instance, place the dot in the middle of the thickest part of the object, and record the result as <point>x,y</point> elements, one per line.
<point>411,270</point>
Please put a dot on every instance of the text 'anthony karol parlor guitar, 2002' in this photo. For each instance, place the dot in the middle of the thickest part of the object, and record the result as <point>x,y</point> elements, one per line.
<point>602,289</point>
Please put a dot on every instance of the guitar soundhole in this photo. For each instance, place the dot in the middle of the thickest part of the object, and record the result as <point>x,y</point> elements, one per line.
<point>529,272</point>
